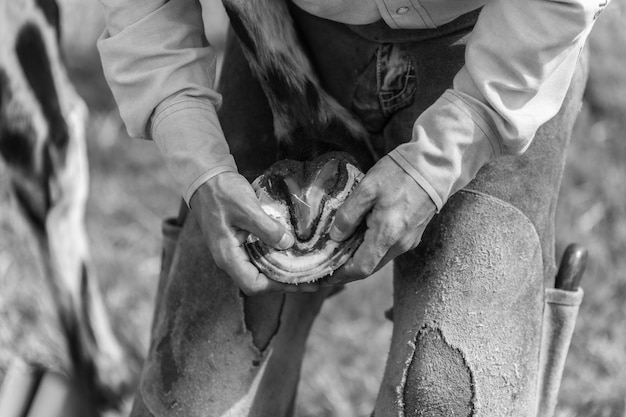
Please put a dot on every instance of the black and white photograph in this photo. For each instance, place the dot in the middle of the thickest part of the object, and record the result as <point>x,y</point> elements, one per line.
<point>312,208</point>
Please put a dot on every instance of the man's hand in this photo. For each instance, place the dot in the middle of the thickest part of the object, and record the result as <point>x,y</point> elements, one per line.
<point>396,211</point>
<point>227,210</point>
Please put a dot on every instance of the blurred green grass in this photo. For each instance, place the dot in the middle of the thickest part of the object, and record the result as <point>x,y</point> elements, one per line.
<point>131,192</point>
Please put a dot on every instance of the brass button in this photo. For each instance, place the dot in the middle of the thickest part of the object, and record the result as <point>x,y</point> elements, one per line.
<point>402,10</point>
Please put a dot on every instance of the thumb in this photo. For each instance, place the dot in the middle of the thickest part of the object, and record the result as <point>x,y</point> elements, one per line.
<point>352,212</point>
<point>269,230</point>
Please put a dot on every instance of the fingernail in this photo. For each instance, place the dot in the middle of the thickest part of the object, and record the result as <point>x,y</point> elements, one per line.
<point>336,234</point>
<point>285,242</point>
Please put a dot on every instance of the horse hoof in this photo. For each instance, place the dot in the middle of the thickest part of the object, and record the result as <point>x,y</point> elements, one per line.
<point>304,197</point>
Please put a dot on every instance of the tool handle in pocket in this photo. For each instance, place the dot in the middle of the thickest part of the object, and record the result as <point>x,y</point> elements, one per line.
<point>572,268</point>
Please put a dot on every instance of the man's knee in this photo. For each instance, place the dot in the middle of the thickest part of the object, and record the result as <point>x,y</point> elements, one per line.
<point>467,316</point>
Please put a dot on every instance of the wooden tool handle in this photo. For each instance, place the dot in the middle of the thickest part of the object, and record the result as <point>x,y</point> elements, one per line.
<point>572,268</point>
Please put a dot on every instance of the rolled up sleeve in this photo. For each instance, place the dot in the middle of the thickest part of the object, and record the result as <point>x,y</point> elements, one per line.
<point>161,71</point>
<point>519,62</point>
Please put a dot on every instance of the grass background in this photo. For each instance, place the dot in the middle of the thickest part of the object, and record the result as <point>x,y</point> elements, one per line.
<point>131,192</point>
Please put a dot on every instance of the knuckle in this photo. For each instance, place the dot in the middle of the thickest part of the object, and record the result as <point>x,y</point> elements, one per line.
<point>367,190</point>
<point>416,242</point>
<point>220,260</point>
<point>253,288</point>
<point>364,270</point>
<point>405,246</point>
<point>261,286</point>
<point>390,233</point>
<point>389,236</point>
<point>220,256</point>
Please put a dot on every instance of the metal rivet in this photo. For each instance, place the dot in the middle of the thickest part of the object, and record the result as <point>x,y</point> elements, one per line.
<point>402,10</point>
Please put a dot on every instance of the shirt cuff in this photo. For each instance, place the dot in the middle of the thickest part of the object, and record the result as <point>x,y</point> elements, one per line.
<point>451,141</point>
<point>188,134</point>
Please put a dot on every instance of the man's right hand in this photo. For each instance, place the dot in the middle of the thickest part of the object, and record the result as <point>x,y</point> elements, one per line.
<point>227,210</point>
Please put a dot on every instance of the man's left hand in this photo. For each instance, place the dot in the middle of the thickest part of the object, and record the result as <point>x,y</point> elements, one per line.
<point>396,211</point>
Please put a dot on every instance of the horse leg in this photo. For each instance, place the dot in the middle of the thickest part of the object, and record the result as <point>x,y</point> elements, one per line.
<point>307,121</point>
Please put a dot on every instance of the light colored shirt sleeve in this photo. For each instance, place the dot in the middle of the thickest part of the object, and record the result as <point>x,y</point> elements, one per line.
<point>161,72</point>
<point>520,60</point>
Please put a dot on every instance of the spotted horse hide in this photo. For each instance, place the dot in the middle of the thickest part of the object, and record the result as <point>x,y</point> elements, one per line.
<point>42,145</point>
